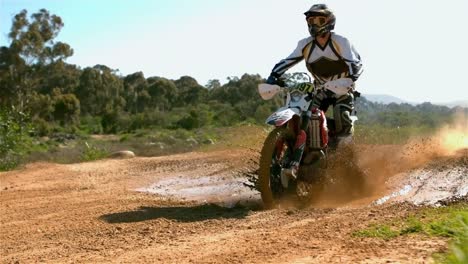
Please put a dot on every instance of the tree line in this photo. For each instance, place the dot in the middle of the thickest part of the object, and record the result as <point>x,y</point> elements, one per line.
<point>35,79</point>
<point>57,96</point>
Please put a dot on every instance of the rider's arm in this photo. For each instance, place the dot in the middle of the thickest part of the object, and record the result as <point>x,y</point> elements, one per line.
<point>295,57</point>
<point>349,54</point>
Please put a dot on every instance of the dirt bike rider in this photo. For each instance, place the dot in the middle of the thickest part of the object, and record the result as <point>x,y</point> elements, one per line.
<point>328,57</point>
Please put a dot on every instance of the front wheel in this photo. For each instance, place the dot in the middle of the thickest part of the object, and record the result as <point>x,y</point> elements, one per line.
<point>276,154</point>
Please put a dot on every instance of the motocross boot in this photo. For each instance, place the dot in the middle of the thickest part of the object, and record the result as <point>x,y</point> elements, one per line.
<point>289,173</point>
<point>293,171</point>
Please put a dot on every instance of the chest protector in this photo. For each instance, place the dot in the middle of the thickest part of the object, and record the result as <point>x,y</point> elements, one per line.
<point>325,63</point>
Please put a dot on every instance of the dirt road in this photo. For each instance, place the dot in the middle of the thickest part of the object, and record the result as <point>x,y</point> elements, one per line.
<point>134,211</point>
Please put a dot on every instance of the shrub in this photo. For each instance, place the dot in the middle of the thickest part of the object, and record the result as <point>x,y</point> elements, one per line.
<point>14,137</point>
<point>109,122</point>
<point>91,124</point>
<point>42,127</point>
<point>91,153</point>
<point>188,122</point>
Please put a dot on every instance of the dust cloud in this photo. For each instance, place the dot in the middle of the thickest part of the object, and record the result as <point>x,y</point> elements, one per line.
<point>362,171</point>
<point>455,137</point>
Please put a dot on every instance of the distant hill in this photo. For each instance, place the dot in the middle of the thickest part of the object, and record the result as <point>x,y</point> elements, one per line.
<point>462,103</point>
<point>384,98</point>
<point>388,99</point>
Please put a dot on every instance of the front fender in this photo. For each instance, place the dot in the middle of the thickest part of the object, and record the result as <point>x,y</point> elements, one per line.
<point>282,116</point>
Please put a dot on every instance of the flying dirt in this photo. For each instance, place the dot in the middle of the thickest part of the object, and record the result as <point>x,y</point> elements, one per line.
<point>196,208</point>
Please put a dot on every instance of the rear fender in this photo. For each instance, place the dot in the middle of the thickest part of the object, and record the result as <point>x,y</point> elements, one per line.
<point>282,116</point>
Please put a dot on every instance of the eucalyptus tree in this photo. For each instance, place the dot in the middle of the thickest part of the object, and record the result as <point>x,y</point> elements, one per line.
<point>100,91</point>
<point>189,91</point>
<point>135,92</point>
<point>163,93</point>
<point>32,47</point>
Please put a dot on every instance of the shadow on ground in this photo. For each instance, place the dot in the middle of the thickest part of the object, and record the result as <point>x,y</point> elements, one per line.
<point>182,214</point>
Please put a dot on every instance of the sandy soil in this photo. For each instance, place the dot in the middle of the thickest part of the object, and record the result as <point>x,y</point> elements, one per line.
<point>183,209</point>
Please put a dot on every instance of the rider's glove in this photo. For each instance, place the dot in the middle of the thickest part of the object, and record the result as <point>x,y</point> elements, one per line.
<point>273,79</point>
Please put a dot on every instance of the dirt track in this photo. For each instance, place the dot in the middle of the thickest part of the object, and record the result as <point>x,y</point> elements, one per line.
<point>92,212</point>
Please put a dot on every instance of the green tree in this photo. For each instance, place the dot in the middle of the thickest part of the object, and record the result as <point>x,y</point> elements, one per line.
<point>100,91</point>
<point>262,112</point>
<point>189,91</point>
<point>213,84</point>
<point>136,92</point>
<point>14,137</point>
<point>163,93</point>
<point>32,47</point>
<point>66,109</point>
<point>190,121</point>
<point>41,106</point>
<point>61,75</point>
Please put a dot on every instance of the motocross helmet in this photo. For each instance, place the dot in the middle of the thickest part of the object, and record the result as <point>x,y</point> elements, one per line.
<point>320,20</point>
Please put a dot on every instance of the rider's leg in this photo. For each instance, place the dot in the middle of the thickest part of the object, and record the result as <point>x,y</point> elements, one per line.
<point>342,111</point>
<point>322,100</point>
<point>356,178</point>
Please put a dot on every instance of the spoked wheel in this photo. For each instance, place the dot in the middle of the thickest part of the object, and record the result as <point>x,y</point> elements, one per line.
<point>276,154</point>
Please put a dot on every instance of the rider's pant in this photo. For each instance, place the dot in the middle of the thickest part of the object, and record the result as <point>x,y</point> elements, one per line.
<point>343,107</point>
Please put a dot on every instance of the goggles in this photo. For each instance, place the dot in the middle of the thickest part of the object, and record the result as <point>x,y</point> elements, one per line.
<point>317,20</point>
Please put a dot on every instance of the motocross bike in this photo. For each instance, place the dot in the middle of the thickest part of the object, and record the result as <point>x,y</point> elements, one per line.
<point>277,151</point>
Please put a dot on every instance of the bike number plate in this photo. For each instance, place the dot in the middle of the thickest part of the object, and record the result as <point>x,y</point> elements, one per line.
<point>305,87</point>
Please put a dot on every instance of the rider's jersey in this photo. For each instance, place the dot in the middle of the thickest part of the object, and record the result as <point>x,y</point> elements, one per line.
<point>337,59</point>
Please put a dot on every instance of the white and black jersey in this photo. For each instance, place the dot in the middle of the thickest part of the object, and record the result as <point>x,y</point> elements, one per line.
<point>337,59</point>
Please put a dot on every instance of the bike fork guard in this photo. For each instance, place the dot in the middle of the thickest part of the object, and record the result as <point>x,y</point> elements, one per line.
<point>318,129</point>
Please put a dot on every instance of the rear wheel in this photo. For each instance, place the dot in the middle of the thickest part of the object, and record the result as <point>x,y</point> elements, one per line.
<point>276,154</point>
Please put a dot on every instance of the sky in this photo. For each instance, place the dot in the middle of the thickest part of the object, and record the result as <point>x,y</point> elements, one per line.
<point>415,50</point>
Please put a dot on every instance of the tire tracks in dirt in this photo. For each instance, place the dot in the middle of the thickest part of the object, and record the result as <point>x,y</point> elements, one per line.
<point>91,213</point>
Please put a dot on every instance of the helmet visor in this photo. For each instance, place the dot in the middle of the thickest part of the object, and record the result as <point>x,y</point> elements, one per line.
<point>317,20</point>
